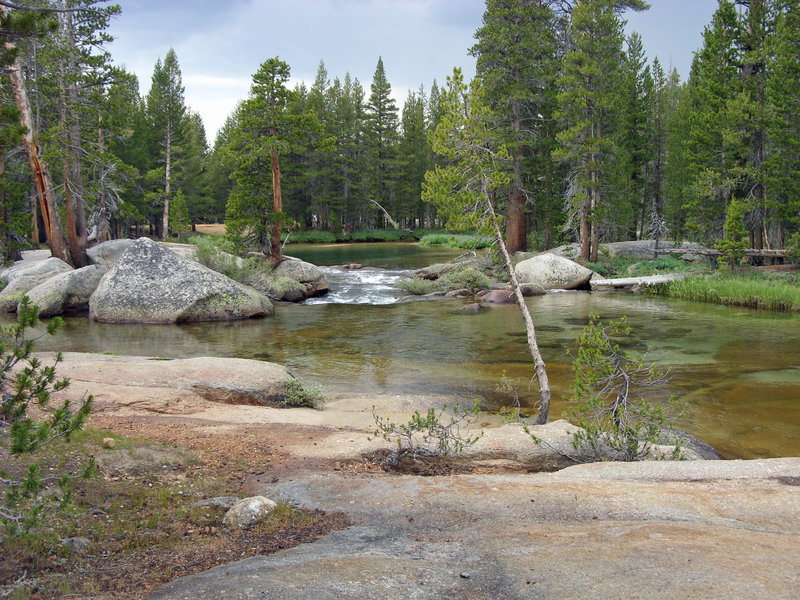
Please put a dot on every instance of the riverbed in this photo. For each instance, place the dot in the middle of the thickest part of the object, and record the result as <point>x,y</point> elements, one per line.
<point>738,370</point>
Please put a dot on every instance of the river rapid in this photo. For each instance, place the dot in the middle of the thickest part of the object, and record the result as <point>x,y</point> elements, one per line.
<point>739,370</point>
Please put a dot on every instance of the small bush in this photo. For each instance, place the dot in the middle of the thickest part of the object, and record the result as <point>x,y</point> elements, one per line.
<point>295,395</point>
<point>417,286</point>
<point>468,278</point>
<point>312,236</point>
<point>616,422</point>
<point>221,255</point>
<point>427,435</point>
<point>24,381</point>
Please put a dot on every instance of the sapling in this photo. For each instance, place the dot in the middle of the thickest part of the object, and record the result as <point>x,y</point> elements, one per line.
<point>615,420</point>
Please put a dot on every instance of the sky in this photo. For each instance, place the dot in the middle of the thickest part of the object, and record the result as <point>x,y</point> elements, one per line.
<point>220,44</point>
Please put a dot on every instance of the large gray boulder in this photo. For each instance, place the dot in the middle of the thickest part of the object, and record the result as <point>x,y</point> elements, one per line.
<point>151,284</point>
<point>23,280</point>
<point>310,276</point>
<point>553,272</point>
<point>68,291</point>
<point>107,253</point>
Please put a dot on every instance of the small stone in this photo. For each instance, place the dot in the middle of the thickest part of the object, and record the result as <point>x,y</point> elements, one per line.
<point>109,442</point>
<point>247,512</point>
<point>465,575</point>
<point>77,545</point>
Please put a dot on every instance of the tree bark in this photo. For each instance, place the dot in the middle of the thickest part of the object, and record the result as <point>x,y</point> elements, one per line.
<point>277,207</point>
<point>167,165</point>
<point>39,171</point>
<point>516,234</point>
<point>71,136</point>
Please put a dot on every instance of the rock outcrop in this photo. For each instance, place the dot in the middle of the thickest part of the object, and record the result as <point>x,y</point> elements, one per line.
<point>151,284</point>
<point>310,276</point>
<point>22,280</point>
<point>68,291</point>
<point>170,386</point>
<point>553,272</point>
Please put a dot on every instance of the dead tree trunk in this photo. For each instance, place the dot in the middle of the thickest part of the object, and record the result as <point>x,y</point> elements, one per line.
<point>39,171</point>
<point>538,361</point>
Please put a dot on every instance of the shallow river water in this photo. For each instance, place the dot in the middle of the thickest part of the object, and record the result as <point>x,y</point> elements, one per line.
<point>739,370</point>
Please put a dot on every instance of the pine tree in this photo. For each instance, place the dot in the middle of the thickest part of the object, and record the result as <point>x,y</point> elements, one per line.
<point>166,110</point>
<point>515,53</point>
<point>382,138</point>
<point>783,83</point>
<point>586,102</point>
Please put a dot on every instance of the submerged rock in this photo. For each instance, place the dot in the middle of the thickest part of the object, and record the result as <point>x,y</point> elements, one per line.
<point>150,284</point>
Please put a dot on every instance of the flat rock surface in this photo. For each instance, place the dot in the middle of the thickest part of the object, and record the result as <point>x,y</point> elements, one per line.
<point>640,530</point>
<point>651,530</point>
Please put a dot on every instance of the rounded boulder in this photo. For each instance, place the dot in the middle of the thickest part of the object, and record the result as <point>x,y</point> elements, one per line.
<point>151,284</point>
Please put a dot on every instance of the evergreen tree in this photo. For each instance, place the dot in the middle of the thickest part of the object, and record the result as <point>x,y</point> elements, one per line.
<point>416,154</point>
<point>166,110</point>
<point>711,143</point>
<point>381,138</point>
<point>586,102</point>
<point>515,54</point>
<point>783,83</point>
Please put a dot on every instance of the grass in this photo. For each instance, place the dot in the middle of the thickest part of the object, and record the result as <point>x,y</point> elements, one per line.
<point>463,279</point>
<point>755,289</point>
<point>313,236</point>
<point>141,521</point>
<point>631,267</point>
<point>465,241</point>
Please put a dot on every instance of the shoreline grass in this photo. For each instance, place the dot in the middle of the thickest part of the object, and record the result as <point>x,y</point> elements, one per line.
<point>461,240</point>
<point>764,291</point>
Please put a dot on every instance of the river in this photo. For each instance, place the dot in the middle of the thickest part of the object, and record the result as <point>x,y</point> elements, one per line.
<point>739,370</point>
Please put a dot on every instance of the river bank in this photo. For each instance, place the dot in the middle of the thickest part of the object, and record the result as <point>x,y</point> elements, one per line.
<point>692,529</point>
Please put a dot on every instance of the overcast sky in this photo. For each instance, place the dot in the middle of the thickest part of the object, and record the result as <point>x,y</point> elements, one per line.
<point>220,44</point>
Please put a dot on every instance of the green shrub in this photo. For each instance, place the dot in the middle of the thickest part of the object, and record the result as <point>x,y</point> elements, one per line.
<point>28,497</point>
<point>295,395</point>
<point>312,236</point>
<point>616,422</point>
<point>417,286</point>
<point>427,435</point>
<point>221,255</point>
<point>465,241</point>
<point>467,278</point>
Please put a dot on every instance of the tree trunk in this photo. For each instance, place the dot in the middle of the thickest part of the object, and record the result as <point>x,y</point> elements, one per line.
<point>71,136</point>
<point>277,207</point>
<point>167,165</point>
<point>516,234</point>
<point>39,171</point>
<point>538,361</point>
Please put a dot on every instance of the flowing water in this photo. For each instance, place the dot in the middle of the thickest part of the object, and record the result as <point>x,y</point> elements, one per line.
<point>739,370</point>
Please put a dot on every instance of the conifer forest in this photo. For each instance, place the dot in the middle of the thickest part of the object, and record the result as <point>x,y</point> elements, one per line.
<point>603,143</point>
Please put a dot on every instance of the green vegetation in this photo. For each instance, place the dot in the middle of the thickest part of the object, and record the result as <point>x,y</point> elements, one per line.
<point>427,434</point>
<point>463,279</point>
<point>616,422</point>
<point>28,495</point>
<point>221,255</point>
<point>764,290</point>
<point>295,395</point>
<point>631,267</point>
<point>313,236</point>
<point>465,241</point>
